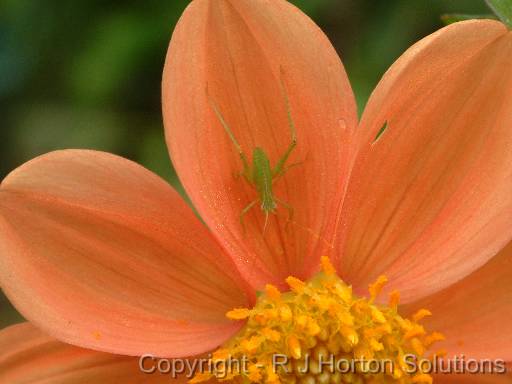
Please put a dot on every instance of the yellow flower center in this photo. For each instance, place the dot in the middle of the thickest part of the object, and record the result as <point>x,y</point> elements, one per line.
<point>320,332</point>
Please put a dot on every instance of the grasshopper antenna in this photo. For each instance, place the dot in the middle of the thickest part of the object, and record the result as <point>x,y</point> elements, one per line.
<point>291,124</point>
<point>229,132</point>
<point>222,120</point>
<point>278,169</point>
<point>312,233</point>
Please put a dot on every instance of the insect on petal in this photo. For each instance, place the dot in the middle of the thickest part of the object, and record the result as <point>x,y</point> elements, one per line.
<point>246,57</point>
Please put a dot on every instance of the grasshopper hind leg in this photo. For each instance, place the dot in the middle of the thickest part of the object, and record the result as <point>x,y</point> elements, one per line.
<point>290,209</point>
<point>245,211</point>
<point>280,167</point>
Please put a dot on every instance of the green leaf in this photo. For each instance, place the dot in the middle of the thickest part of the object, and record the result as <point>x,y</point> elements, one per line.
<point>451,18</point>
<point>381,131</point>
<point>503,9</point>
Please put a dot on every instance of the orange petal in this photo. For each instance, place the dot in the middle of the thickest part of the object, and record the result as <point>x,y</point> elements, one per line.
<point>505,378</point>
<point>430,200</point>
<point>238,53</point>
<point>29,356</point>
<point>99,252</point>
<point>474,314</point>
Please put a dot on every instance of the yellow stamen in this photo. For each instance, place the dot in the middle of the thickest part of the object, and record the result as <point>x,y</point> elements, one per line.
<point>294,347</point>
<point>377,316</point>
<point>254,374</point>
<point>327,266</point>
<point>421,314</point>
<point>238,314</point>
<point>434,337</point>
<point>418,346</point>
<point>394,299</point>
<point>414,331</point>
<point>295,284</point>
<point>285,313</point>
<point>272,292</point>
<point>376,287</point>
<point>270,334</point>
<point>322,317</point>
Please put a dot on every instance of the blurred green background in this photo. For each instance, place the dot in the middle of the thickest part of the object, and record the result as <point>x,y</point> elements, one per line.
<point>86,74</point>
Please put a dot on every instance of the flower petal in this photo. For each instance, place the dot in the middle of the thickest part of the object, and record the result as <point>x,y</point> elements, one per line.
<point>99,252</point>
<point>242,57</point>
<point>27,356</point>
<point>505,378</point>
<point>429,198</point>
<point>474,314</point>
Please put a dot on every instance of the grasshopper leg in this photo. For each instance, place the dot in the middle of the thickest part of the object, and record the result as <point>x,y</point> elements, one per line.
<point>245,210</point>
<point>288,207</point>
<point>280,166</point>
<point>246,171</point>
<point>284,170</point>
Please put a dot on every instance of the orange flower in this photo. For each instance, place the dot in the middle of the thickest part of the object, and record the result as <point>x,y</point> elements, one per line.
<point>100,253</point>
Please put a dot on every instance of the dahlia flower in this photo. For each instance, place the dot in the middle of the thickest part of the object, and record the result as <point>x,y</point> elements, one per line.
<point>399,240</point>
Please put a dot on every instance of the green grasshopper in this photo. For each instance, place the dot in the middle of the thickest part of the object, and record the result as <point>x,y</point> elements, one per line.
<point>261,175</point>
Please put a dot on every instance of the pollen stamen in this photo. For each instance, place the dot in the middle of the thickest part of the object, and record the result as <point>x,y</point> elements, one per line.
<point>318,321</point>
